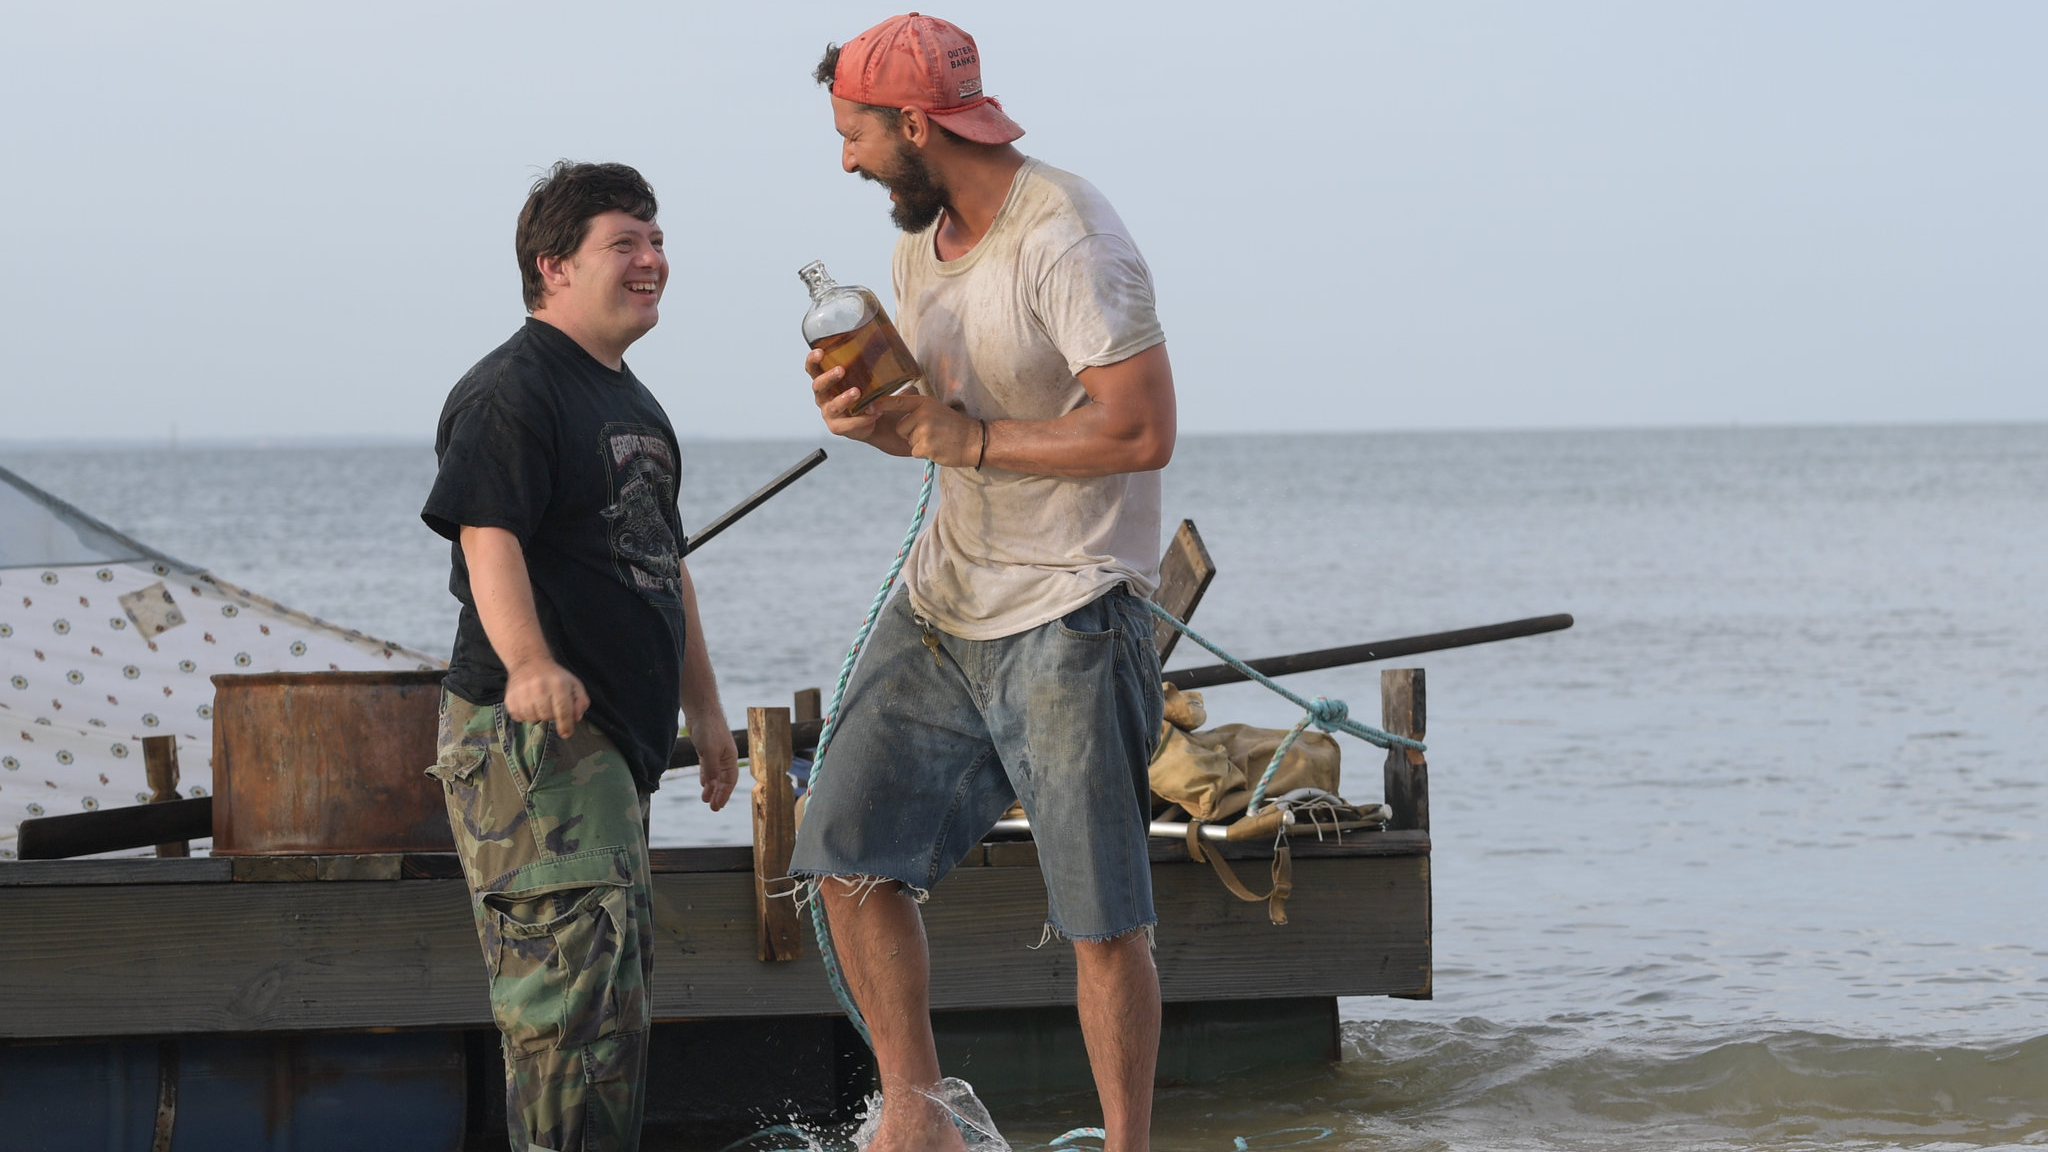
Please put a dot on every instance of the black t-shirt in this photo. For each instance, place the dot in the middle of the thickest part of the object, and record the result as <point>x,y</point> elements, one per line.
<point>579,463</point>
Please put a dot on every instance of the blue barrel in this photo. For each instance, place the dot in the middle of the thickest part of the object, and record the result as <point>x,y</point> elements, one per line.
<point>399,1092</point>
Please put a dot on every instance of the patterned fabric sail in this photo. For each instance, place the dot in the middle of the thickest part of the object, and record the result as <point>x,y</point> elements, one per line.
<point>104,640</point>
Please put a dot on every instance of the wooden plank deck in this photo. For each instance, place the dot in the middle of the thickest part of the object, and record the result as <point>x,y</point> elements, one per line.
<point>165,947</point>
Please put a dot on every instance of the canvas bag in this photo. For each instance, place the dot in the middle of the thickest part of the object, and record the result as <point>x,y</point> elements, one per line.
<point>1211,773</point>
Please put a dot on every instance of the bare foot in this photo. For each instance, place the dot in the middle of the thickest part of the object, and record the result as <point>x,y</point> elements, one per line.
<point>912,1121</point>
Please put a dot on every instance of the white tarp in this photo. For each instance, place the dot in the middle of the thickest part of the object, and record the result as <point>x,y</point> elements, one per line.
<point>104,641</point>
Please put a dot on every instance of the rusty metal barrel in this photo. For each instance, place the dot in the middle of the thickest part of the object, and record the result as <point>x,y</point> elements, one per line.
<point>326,763</point>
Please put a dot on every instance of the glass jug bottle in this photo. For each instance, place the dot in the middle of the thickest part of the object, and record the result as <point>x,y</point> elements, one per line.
<point>849,325</point>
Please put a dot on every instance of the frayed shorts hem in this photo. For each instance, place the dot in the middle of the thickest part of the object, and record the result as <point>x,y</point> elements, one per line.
<point>810,882</point>
<point>1054,932</point>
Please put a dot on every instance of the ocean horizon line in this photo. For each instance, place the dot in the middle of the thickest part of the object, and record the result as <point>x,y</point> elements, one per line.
<point>260,441</point>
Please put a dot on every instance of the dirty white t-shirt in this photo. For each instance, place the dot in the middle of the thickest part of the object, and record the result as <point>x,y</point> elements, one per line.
<point>1054,287</point>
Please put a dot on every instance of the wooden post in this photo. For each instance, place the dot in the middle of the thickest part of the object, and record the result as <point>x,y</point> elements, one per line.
<point>1184,574</point>
<point>768,757</point>
<point>160,767</point>
<point>810,705</point>
<point>1403,712</point>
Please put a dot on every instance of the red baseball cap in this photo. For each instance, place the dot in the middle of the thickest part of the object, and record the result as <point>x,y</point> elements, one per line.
<point>923,62</point>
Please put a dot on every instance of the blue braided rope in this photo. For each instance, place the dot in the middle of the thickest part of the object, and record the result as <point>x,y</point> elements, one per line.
<point>1325,713</point>
<point>1244,1143</point>
<point>826,952</point>
<point>1279,754</point>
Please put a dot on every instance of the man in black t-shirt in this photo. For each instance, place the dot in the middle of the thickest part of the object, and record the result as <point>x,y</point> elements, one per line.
<point>578,640</point>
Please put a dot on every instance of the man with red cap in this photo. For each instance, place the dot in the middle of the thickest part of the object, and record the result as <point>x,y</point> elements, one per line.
<point>1019,664</point>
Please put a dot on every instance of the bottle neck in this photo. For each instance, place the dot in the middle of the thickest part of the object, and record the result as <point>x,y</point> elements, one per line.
<point>816,279</point>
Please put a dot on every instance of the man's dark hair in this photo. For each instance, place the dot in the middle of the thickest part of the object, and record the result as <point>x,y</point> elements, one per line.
<point>828,69</point>
<point>559,208</point>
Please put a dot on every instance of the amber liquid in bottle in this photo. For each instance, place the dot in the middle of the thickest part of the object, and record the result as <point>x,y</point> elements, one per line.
<point>848,324</point>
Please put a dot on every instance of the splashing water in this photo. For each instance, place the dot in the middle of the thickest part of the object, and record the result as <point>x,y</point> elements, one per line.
<point>780,1138</point>
<point>957,1097</point>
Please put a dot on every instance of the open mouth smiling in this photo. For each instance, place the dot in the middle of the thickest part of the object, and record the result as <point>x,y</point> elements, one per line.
<point>643,287</point>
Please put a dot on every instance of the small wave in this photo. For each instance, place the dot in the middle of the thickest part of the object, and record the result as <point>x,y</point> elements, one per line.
<point>1478,1085</point>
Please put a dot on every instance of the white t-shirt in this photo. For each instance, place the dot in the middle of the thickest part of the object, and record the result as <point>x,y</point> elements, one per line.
<point>1054,287</point>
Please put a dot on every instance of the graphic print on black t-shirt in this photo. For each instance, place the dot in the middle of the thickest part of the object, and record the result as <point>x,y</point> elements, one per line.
<point>643,476</point>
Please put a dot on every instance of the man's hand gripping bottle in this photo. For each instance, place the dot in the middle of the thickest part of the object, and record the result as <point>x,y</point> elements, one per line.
<point>848,324</point>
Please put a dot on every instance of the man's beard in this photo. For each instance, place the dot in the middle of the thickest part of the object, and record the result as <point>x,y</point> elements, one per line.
<point>919,195</point>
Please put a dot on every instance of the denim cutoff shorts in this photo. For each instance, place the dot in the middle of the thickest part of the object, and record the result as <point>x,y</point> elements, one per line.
<point>932,748</point>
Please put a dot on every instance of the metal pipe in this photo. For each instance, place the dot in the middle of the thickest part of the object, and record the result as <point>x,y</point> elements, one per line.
<point>1163,829</point>
<point>805,733</point>
<point>113,829</point>
<point>703,535</point>
<point>1211,675</point>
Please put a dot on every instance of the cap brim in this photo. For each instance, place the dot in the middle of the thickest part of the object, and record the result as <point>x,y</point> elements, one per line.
<point>985,123</point>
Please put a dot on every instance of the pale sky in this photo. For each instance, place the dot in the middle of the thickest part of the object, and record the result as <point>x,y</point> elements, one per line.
<point>295,220</point>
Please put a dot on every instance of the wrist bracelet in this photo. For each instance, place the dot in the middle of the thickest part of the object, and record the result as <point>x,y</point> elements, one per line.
<point>984,447</point>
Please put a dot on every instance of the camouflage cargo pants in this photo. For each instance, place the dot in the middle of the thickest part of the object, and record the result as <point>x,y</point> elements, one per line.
<point>552,842</point>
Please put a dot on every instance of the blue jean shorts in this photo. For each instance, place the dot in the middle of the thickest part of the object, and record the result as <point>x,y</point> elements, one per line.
<point>935,743</point>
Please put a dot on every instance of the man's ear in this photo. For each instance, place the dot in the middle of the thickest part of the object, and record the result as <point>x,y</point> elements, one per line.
<point>554,272</point>
<point>916,126</point>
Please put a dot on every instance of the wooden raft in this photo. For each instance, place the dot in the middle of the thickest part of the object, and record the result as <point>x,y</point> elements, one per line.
<point>155,947</point>
<point>143,947</point>
<point>162,947</point>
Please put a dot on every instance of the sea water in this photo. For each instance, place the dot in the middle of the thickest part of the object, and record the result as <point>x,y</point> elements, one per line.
<point>1751,857</point>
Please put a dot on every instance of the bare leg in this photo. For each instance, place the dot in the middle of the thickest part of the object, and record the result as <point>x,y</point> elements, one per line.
<point>1118,992</point>
<point>879,935</point>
